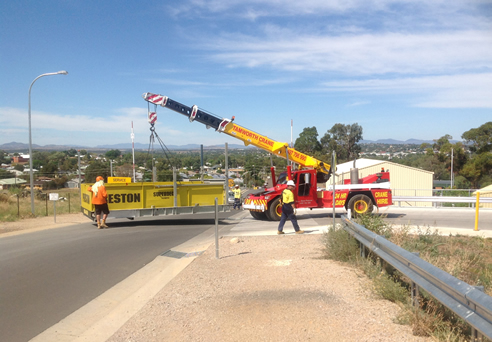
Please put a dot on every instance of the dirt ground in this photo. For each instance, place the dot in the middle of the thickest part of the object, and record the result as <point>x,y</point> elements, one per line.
<point>267,288</point>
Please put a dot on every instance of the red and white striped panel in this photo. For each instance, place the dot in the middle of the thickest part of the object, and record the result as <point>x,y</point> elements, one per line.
<point>155,99</point>
<point>152,117</point>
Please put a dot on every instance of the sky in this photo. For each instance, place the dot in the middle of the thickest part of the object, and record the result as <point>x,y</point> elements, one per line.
<point>402,69</point>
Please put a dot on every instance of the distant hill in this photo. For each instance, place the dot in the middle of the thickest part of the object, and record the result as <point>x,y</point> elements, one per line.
<point>398,142</point>
<point>17,147</point>
<point>139,146</point>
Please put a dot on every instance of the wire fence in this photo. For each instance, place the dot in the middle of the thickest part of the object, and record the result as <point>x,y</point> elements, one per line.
<point>15,206</point>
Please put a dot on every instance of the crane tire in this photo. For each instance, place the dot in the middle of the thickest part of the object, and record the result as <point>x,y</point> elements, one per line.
<point>274,212</point>
<point>360,205</point>
<point>258,215</point>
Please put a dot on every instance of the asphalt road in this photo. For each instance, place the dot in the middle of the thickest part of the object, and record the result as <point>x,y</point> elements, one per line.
<point>46,275</point>
<point>462,218</point>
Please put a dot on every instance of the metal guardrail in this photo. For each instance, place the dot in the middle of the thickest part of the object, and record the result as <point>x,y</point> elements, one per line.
<point>441,199</point>
<point>468,302</point>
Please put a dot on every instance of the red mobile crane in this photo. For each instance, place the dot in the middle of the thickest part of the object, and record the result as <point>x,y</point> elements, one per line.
<point>359,195</point>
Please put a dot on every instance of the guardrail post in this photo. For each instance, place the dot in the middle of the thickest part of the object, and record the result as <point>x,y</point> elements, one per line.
<point>415,288</point>
<point>475,336</point>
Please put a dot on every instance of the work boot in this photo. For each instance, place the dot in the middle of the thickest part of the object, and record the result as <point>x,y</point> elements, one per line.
<point>103,224</point>
<point>99,225</point>
<point>279,232</point>
<point>300,232</point>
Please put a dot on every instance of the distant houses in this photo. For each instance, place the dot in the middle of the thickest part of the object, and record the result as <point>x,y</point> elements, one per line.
<point>8,183</point>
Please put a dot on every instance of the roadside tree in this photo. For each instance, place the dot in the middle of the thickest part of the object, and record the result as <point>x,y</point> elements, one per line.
<point>343,139</point>
<point>308,141</point>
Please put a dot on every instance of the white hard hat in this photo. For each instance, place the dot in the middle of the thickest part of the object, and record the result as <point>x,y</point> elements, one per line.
<point>291,183</point>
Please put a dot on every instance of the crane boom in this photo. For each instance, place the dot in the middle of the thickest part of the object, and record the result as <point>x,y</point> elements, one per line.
<point>248,136</point>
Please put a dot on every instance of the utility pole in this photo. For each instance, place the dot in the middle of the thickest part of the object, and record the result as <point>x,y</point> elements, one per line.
<point>80,177</point>
<point>133,152</point>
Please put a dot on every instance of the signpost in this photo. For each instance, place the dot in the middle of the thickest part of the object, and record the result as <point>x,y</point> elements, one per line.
<point>54,198</point>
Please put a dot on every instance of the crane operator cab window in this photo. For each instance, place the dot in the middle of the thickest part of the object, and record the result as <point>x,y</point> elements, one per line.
<point>304,185</point>
<point>282,178</point>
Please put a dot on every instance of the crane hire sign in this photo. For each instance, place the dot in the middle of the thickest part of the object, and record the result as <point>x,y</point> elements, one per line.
<point>381,197</point>
<point>250,137</point>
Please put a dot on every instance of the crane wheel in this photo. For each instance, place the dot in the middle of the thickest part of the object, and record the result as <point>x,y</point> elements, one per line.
<point>274,212</point>
<point>258,215</point>
<point>360,205</point>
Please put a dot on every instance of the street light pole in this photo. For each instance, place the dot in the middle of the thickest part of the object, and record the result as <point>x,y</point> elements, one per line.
<point>62,72</point>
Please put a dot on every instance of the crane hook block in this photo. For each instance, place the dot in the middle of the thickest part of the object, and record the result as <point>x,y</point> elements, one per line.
<point>152,118</point>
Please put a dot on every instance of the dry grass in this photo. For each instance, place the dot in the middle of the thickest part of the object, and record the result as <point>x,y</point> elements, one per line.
<point>466,258</point>
<point>14,207</point>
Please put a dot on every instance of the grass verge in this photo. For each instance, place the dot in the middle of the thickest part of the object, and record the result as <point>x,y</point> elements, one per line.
<point>14,206</point>
<point>466,258</point>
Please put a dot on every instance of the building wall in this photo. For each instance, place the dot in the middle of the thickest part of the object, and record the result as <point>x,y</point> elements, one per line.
<point>485,192</point>
<point>405,181</point>
<point>486,205</point>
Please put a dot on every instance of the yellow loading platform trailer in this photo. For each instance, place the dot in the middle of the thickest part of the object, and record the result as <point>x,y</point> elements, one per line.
<point>130,200</point>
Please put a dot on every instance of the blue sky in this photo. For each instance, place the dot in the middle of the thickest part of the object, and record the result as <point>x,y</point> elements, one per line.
<point>400,69</point>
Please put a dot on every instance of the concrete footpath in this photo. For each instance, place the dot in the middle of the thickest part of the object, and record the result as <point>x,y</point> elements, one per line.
<point>102,317</point>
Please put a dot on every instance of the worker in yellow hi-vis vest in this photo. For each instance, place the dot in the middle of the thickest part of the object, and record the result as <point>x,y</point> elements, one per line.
<point>288,207</point>
<point>237,197</point>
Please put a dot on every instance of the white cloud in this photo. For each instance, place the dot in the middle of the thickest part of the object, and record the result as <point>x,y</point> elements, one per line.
<point>118,122</point>
<point>449,91</point>
<point>358,103</point>
<point>396,14</point>
<point>363,54</point>
<point>258,8</point>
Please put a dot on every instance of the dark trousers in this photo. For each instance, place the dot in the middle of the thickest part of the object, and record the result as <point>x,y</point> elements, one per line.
<point>237,203</point>
<point>288,213</point>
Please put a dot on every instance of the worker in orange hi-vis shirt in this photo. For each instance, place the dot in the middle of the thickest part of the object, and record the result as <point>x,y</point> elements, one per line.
<point>99,199</point>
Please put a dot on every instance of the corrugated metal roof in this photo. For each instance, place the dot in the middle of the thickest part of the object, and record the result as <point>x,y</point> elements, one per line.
<point>359,163</point>
<point>363,163</point>
<point>486,190</point>
<point>12,181</point>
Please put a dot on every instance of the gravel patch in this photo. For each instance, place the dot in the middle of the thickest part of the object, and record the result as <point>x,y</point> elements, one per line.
<point>267,288</point>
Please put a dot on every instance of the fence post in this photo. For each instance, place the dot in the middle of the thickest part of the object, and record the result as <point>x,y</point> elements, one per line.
<point>69,203</point>
<point>216,229</point>
<point>18,206</point>
<point>46,204</point>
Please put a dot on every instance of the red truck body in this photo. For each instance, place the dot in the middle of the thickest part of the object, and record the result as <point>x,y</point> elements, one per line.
<point>360,198</point>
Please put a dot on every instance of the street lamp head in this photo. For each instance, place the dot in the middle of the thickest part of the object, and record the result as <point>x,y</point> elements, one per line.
<point>62,72</point>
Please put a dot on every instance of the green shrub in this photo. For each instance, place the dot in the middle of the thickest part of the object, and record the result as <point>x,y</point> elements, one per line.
<point>340,246</point>
<point>376,224</point>
<point>467,258</point>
